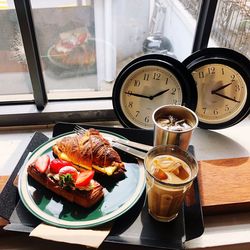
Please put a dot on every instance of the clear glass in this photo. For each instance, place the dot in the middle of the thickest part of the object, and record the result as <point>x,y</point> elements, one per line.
<point>231,26</point>
<point>165,196</point>
<point>15,81</point>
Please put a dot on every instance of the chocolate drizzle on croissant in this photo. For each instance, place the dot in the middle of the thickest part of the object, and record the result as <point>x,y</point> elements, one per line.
<point>89,149</point>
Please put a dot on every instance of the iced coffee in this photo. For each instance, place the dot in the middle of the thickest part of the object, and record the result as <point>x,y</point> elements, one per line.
<point>170,172</point>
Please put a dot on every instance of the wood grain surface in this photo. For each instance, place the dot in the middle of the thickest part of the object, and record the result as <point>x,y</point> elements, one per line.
<point>3,180</point>
<point>225,185</point>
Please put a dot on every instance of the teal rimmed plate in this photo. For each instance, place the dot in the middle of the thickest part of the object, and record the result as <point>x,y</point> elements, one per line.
<point>119,195</point>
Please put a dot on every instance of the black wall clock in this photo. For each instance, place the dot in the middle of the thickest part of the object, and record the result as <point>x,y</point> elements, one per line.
<point>148,82</point>
<point>222,79</point>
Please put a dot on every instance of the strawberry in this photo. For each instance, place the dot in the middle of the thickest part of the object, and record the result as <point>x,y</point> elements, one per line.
<point>67,177</point>
<point>84,178</point>
<point>42,163</point>
<point>81,38</point>
<point>57,164</point>
<point>68,170</point>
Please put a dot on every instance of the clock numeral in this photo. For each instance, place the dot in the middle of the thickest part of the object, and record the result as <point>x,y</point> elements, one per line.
<point>166,82</point>
<point>211,70</point>
<point>232,78</point>
<point>237,87</point>
<point>129,92</point>
<point>222,71</point>
<point>156,76</point>
<point>137,113</point>
<point>175,101</point>
<point>137,83</point>
<point>201,74</point>
<point>226,108</point>
<point>130,104</point>
<point>173,90</point>
<point>146,77</point>
<point>204,110</point>
<point>146,119</point>
<point>216,112</point>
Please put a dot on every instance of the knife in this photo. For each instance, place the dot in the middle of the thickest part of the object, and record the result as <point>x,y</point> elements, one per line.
<point>129,150</point>
<point>129,143</point>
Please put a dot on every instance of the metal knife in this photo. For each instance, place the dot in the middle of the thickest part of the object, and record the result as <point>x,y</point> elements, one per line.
<point>129,150</point>
<point>129,143</point>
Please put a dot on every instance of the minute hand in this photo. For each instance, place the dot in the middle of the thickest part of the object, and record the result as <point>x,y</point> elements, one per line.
<point>159,93</point>
<point>226,97</point>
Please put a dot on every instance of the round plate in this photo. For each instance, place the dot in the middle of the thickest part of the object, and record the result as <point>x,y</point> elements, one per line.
<point>119,196</point>
<point>91,68</point>
<point>58,63</point>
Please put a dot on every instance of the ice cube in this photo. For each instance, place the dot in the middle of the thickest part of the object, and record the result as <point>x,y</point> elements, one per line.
<point>180,171</point>
<point>160,174</point>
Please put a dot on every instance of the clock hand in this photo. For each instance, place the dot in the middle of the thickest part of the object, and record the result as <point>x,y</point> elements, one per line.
<point>159,93</point>
<point>220,88</point>
<point>226,97</point>
<point>138,95</point>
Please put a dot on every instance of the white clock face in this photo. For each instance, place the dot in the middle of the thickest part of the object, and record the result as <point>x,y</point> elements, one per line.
<point>146,89</point>
<point>222,93</point>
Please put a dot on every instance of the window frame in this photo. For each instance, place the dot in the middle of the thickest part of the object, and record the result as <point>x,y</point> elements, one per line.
<point>40,111</point>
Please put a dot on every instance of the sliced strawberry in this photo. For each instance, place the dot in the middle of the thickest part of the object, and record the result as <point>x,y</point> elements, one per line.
<point>69,170</point>
<point>84,178</point>
<point>81,38</point>
<point>42,163</point>
<point>57,164</point>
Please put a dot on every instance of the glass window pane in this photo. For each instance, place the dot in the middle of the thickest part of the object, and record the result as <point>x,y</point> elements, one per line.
<point>84,44</point>
<point>231,27</point>
<point>15,81</point>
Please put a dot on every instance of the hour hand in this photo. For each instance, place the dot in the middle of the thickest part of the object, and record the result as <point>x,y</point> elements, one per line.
<point>138,95</point>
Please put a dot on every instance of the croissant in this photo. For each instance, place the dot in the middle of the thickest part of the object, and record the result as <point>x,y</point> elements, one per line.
<point>90,150</point>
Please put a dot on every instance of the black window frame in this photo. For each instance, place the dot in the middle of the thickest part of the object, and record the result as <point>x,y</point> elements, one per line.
<point>25,19</point>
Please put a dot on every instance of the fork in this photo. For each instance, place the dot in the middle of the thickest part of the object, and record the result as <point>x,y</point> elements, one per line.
<point>80,130</point>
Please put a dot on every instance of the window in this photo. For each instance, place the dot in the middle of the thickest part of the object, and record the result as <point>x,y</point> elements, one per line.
<point>59,59</point>
<point>231,27</point>
<point>13,64</point>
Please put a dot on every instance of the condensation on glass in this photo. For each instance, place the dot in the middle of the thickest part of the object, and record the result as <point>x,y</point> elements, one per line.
<point>15,81</point>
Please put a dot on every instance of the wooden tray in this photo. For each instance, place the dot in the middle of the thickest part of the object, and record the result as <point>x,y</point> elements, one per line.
<point>225,185</point>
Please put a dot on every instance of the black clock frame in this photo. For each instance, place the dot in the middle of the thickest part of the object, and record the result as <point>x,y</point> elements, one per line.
<point>229,58</point>
<point>185,79</point>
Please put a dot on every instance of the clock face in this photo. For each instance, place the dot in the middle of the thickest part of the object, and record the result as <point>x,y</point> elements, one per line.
<point>148,82</point>
<point>145,89</point>
<point>222,80</point>
<point>222,93</point>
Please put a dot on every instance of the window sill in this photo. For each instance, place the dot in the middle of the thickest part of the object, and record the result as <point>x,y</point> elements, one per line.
<point>58,111</point>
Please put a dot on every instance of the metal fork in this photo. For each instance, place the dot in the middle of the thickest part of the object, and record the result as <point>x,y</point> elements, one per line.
<point>115,141</point>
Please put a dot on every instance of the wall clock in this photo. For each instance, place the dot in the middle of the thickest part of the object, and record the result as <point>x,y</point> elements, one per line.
<point>222,79</point>
<point>148,82</point>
